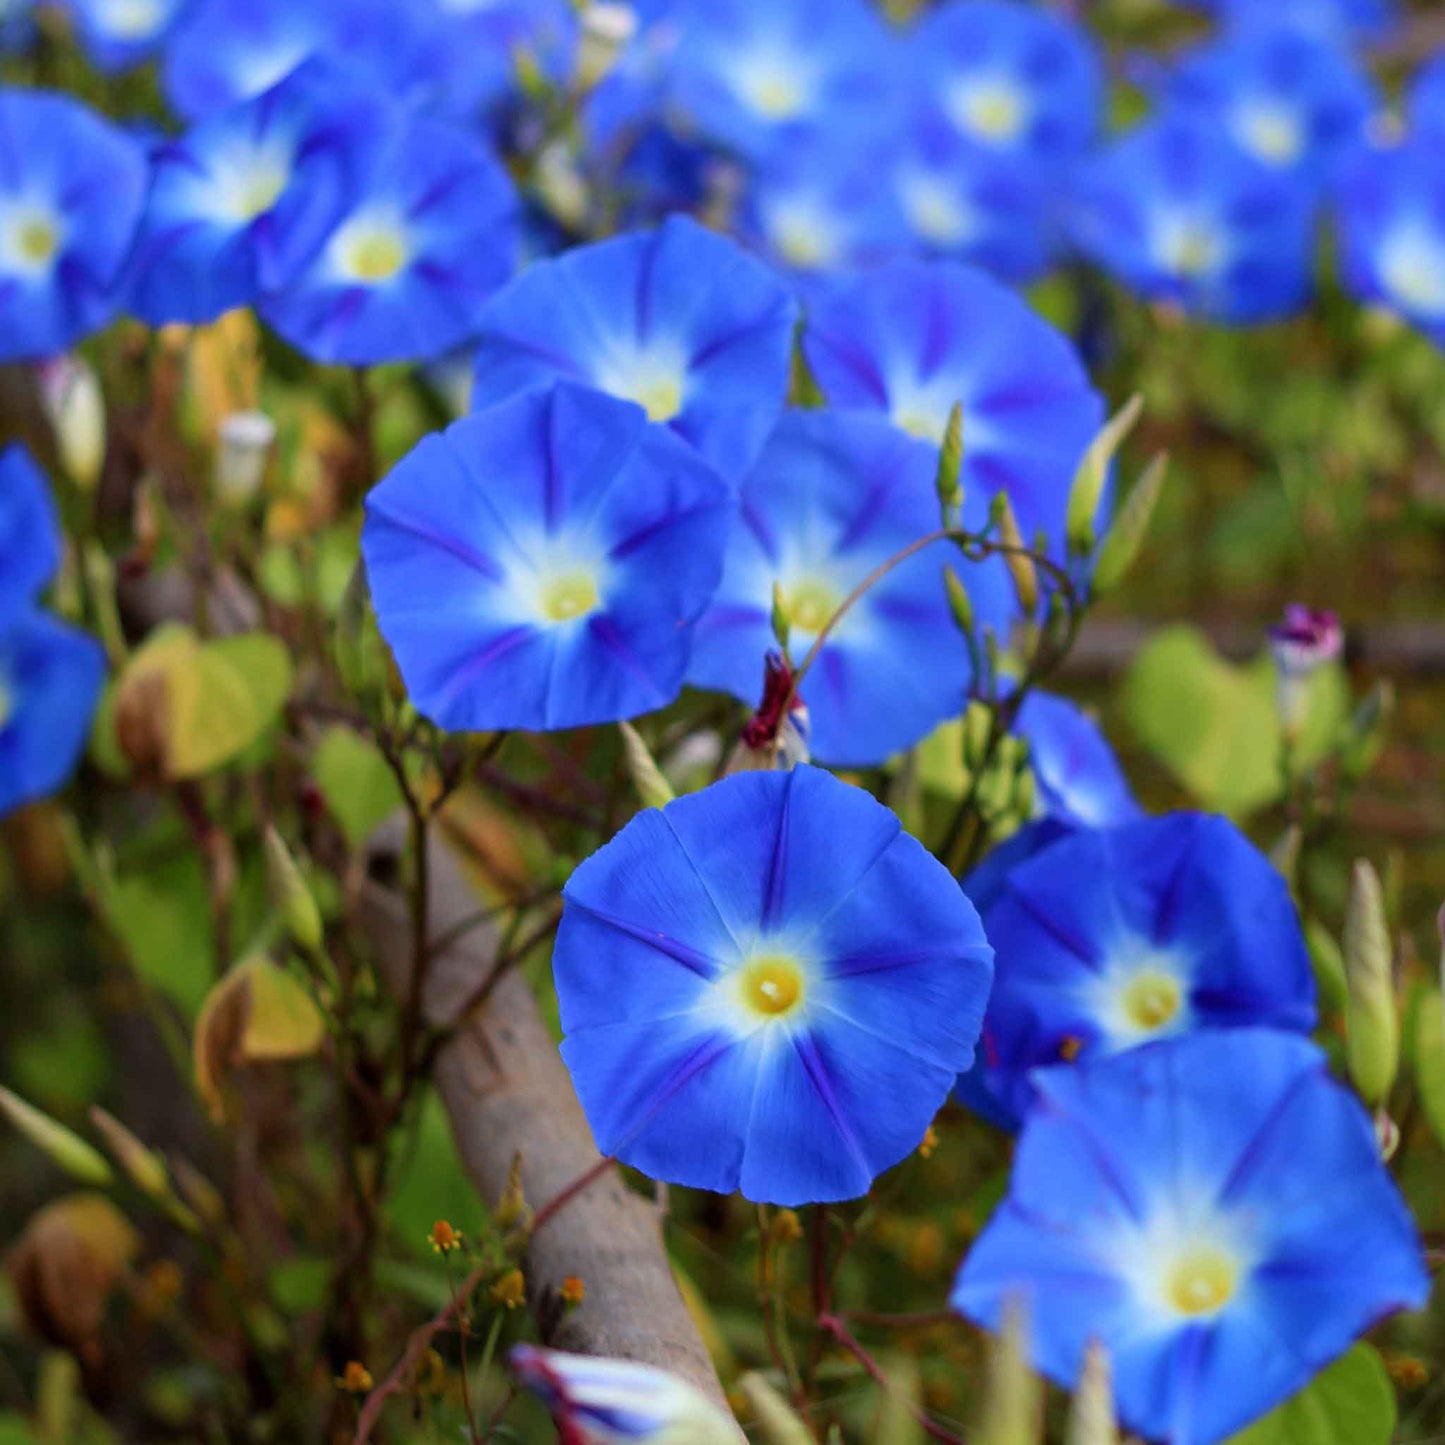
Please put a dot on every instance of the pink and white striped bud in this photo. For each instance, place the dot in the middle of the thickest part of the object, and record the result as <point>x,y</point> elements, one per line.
<point>70,393</point>
<point>1304,640</point>
<point>246,440</point>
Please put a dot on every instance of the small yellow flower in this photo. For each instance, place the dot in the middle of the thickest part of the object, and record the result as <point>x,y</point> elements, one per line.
<point>429,1377</point>
<point>1406,1371</point>
<point>510,1290</point>
<point>573,1291</point>
<point>930,1143</point>
<point>444,1239</point>
<point>355,1379</point>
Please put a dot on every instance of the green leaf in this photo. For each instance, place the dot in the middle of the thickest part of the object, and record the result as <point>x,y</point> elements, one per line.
<point>360,790</point>
<point>164,923</point>
<point>1351,1403</point>
<point>1215,726</point>
<point>188,706</point>
<point>15,1430</point>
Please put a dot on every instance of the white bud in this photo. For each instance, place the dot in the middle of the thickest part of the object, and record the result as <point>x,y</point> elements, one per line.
<point>245,447</point>
<point>70,393</point>
<point>606,29</point>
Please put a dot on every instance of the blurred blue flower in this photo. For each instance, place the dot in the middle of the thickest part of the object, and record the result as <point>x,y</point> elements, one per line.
<point>226,51</point>
<point>604,1402</point>
<point>1115,937</point>
<point>1293,101</point>
<point>680,320</point>
<point>50,678</point>
<point>753,77</point>
<point>118,34</point>
<point>1337,20</point>
<point>1181,215</point>
<point>913,338</point>
<point>540,564</point>
<point>831,498</point>
<point>430,234</point>
<point>1426,100</point>
<point>966,202</point>
<point>71,191</point>
<point>1014,77</point>
<point>483,39</point>
<point>1079,778</point>
<point>1391,225</point>
<point>29,533</point>
<point>1212,1210</point>
<point>265,179</point>
<point>820,209</point>
<point>764,986</point>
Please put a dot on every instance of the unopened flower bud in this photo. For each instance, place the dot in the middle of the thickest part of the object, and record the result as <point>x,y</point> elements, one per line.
<point>290,896</point>
<point>605,31</point>
<point>959,602</point>
<point>512,1211</point>
<point>1016,558</point>
<point>70,393</point>
<point>1014,1410</point>
<point>63,1148</point>
<point>588,1397</point>
<point>1093,476</point>
<point>560,186</point>
<point>950,466</point>
<point>510,1291</point>
<point>1387,1133</point>
<point>1372,1022</point>
<point>1091,1417</point>
<point>1302,642</point>
<point>977,725</point>
<point>244,449</point>
<point>143,1166</point>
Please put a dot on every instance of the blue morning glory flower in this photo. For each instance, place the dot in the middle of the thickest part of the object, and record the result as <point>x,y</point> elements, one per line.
<point>1018,79</point>
<point>1337,20</point>
<point>1211,1209</point>
<point>540,564</point>
<point>1181,215</point>
<point>764,986</point>
<point>913,338</point>
<point>1293,101</point>
<point>1391,226</point>
<point>753,77</point>
<point>1115,937</point>
<point>430,234</point>
<point>1426,102</point>
<point>966,202</point>
<point>117,34</point>
<point>226,51</point>
<point>50,678</point>
<point>267,178</point>
<point>831,498</point>
<point>29,533</point>
<point>819,208</point>
<point>681,321</point>
<point>71,190</point>
<point>1079,778</point>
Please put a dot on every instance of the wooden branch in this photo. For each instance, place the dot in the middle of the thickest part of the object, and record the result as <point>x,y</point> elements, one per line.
<point>507,1093</point>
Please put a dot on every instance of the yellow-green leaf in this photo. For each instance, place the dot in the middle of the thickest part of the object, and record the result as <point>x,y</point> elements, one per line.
<point>1351,1403</point>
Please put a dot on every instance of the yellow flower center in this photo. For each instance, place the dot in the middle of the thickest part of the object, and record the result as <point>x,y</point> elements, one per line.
<point>1152,1000</point>
<point>775,96</point>
<point>659,396</point>
<point>1414,278</point>
<point>802,242</point>
<point>375,256</point>
<point>1191,251</point>
<point>810,604</point>
<point>1273,136</point>
<point>921,424</point>
<point>1201,1281</point>
<point>259,192</point>
<point>772,985</point>
<point>566,598</point>
<point>37,240</point>
<point>994,112</point>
